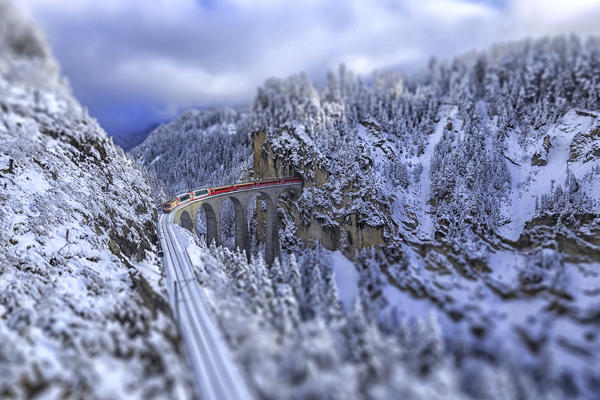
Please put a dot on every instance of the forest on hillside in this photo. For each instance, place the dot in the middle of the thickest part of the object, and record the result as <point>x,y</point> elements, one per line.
<point>482,175</point>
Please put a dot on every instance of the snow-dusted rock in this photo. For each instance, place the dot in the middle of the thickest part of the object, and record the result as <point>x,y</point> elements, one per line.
<point>83,313</point>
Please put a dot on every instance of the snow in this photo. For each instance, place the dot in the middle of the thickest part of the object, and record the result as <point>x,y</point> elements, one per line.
<point>223,131</point>
<point>446,114</point>
<point>530,182</point>
<point>155,160</point>
<point>405,307</point>
<point>418,196</point>
<point>77,319</point>
<point>346,277</point>
<point>34,183</point>
<point>584,281</point>
<point>245,298</point>
<point>516,316</point>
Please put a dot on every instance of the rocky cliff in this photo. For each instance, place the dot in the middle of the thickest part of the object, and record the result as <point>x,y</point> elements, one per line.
<point>325,212</point>
<point>83,313</point>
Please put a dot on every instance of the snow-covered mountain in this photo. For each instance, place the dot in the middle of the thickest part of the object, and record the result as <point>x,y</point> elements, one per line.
<point>83,313</point>
<point>128,141</point>
<point>206,147</point>
<point>476,184</point>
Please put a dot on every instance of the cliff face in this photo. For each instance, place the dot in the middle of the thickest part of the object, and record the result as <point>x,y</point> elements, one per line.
<point>83,313</point>
<point>319,215</point>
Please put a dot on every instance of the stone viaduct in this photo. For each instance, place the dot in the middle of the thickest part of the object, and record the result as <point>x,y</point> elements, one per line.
<point>186,216</point>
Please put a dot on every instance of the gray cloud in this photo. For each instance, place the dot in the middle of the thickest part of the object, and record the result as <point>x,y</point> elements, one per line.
<point>166,55</point>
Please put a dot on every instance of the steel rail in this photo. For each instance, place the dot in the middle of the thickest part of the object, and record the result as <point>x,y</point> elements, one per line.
<point>215,374</point>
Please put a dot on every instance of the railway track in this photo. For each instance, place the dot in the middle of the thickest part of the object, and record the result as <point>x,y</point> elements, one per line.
<point>215,374</point>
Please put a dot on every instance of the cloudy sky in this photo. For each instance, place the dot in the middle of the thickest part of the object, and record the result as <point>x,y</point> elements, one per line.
<point>136,62</point>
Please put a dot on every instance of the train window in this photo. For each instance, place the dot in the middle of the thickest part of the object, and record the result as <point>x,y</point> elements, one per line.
<point>200,192</point>
<point>184,197</point>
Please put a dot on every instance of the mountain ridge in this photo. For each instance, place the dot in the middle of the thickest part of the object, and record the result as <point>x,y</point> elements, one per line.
<point>481,175</point>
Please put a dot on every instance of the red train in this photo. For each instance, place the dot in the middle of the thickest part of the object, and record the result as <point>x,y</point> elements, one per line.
<point>198,194</point>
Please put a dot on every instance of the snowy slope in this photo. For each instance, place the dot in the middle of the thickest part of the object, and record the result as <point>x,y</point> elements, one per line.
<point>529,182</point>
<point>452,163</point>
<point>83,312</point>
<point>469,191</point>
<point>331,354</point>
<point>419,198</point>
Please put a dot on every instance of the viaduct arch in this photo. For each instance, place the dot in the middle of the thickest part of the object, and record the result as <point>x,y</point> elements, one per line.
<point>186,216</point>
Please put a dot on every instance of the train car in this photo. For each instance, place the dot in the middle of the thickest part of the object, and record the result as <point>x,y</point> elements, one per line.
<point>200,193</point>
<point>244,186</point>
<point>267,182</point>
<point>221,189</point>
<point>185,198</point>
<point>197,194</point>
<point>291,180</point>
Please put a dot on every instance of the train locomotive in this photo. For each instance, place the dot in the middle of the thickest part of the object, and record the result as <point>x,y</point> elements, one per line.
<point>185,198</point>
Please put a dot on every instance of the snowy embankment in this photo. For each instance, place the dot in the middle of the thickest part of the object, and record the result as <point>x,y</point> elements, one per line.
<point>346,278</point>
<point>294,338</point>
<point>420,196</point>
<point>215,375</point>
<point>83,312</point>
<point>531,180</point>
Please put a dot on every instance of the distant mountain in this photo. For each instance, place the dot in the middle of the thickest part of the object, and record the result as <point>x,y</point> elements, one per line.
<point>128,141</point>
<point>83,310</point>
<point>208,147</point>
<point>476,185</point>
